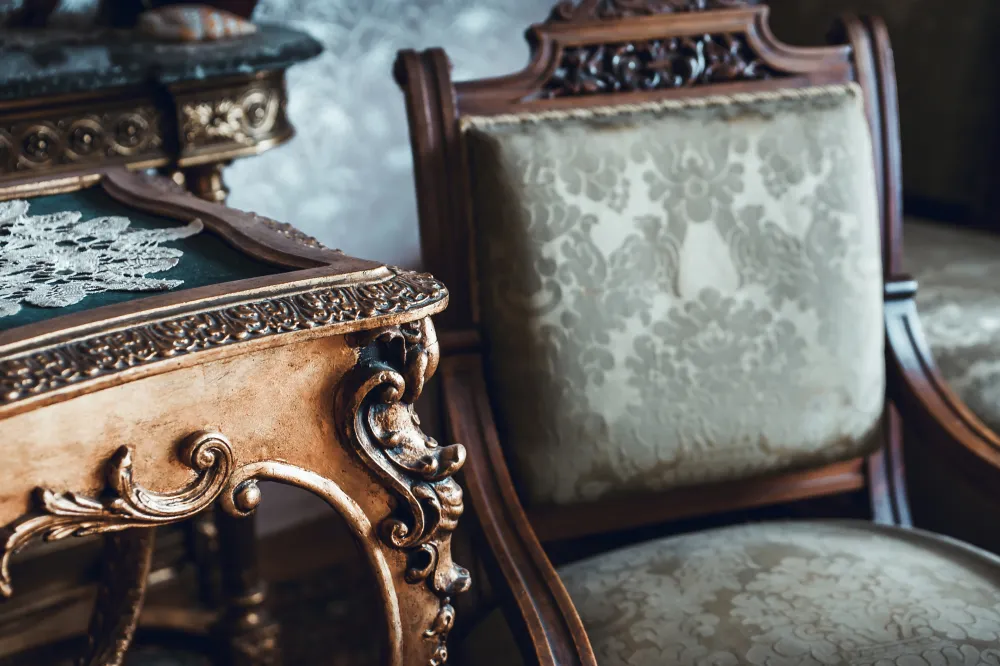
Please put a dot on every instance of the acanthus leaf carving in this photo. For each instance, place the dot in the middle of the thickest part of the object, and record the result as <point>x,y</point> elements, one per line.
<point>656,64</point>
<point>385,431</point>
<point>125,503</point>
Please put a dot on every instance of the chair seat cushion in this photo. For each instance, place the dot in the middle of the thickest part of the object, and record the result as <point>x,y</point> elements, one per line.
<point>784,594</point>
<point>959,304</point>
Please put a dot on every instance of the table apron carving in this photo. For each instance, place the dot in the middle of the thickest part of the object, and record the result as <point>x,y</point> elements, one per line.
<point>408,549</point>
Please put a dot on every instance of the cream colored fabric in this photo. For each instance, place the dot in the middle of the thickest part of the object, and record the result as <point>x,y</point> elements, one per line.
<point>782,594</point>
<point>680,293</point>
<point>958,273</point>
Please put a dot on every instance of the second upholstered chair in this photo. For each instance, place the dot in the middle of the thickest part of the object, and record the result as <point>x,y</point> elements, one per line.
<point>673,246</point>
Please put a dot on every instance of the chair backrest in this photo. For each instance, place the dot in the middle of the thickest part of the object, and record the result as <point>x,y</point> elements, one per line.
<point>666,230</point>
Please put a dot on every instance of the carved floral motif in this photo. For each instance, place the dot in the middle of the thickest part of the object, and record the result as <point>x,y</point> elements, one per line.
<point>231,120</point>
<point>83,359</point>
<point>377,400</point>
<point>655,64</point>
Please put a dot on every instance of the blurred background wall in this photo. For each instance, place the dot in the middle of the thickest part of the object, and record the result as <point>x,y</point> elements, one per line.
<point>347,178</point>
<point>947,57</point>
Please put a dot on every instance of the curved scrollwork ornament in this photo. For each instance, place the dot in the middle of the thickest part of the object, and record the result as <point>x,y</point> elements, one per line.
<point>125,503</point>
<point>382,425</point>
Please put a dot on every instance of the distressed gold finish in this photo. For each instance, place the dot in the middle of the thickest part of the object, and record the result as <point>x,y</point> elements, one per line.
<point>47,187</point>
<point>206,181</point>
<point>382,425</point>
<point>80,136</point>
<point>61,515</point>
<point>241,497</point>
<point>126,563</point>
<point>87,358</point>
<point>283,365</point>
<point>218,122</point>
<point>215,121</point>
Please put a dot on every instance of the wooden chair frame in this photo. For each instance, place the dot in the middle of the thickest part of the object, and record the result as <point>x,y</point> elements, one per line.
<point>567,70</point>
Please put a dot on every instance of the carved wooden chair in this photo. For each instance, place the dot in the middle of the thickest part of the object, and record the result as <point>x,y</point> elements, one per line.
<point>674,249</point>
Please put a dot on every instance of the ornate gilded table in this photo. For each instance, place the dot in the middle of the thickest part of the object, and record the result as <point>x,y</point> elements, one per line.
<point>72,101</point>
<point>276,359</point>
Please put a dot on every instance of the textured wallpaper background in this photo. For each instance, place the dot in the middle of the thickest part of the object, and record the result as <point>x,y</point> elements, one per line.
<point>347,177</point>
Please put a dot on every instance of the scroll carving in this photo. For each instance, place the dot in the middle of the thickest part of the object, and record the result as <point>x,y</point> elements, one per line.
<point>377,400</point>
<point>588,10</point>
<point>657,64</point>
<point>125,504</point>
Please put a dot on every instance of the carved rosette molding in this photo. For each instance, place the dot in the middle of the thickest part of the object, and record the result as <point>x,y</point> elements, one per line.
<point>125,504</point>
<point>589,10</point>
<point>84,359</point>
<point>212,124</point>
<point>379,421</point>
<point>83,137</point>
<point>656,65</point>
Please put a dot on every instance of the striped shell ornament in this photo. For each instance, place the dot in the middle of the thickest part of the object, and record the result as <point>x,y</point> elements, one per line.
<point>192,23</point>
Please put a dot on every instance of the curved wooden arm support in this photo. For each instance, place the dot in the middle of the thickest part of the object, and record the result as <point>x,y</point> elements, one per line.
<point>544,612</point>
<point>923,397</point>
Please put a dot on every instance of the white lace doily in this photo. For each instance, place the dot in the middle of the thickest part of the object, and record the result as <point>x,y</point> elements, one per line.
<point>56,260</point>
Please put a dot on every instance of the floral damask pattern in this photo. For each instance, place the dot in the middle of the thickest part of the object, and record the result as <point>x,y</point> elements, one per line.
<point>682,294</point>
<point>959,304</point>
<point>822,593</point>
<point>795,594</point>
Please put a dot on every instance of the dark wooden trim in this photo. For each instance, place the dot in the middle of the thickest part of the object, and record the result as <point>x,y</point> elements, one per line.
<point>927,402</point>
<point>917,395</point>
<point>553,523</point>
<point>540,609</point>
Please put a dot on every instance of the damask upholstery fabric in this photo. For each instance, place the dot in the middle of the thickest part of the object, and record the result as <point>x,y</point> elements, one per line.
<point>781,594</point>
<point>680,293</point>
<point>958,298</point>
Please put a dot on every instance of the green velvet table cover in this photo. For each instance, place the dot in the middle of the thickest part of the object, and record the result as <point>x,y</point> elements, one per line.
<point>207,258</point>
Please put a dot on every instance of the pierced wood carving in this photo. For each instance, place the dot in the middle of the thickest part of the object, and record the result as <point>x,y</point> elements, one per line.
<point>380,422</point>
<point>80,360</point>
<point>655,64</point>
<point>589,10</point>
<point>125,504</point>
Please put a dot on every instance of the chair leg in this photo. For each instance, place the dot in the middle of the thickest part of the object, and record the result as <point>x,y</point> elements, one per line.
<point>125,570</point>
<point>245,634</point>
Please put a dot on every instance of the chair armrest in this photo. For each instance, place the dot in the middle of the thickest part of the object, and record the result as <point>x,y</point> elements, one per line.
<point>923,397</point>
<point>542,610</point>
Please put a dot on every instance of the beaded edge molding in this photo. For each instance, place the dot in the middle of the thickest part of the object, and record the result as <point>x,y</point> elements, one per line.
<point>833,91</point>
<point>40,371</point>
